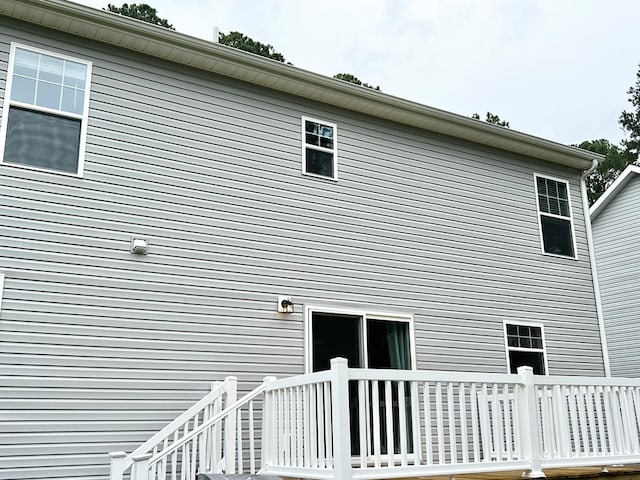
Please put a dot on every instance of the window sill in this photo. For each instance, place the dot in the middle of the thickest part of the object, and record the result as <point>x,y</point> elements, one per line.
<point>40,169</point>
<point>321,177</point>
<point>555,255</point>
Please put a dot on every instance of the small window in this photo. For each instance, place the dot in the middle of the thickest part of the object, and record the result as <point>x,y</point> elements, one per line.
<point>45,119</point>
<point>319,148</point>
<point>554,212</point>
<point>525,347</point>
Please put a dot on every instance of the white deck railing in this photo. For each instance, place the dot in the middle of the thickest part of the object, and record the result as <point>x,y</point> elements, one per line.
<point>346,424</point>
<point>366,424</point>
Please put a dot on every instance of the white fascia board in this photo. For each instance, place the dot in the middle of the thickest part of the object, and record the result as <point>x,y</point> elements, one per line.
<point>173,46</point>
<point>613,190</point>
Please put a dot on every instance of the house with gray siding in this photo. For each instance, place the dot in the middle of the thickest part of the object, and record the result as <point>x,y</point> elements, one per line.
<point>616,232</point>
<point>176,212</point>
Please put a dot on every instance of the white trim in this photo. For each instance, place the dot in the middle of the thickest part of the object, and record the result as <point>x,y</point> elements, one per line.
<point>1,289</point>
<point>364,314</point>
<point>507,348</point>
<point>83,118</point>
<point>613,190</point>
<point>594,273</point>
<point>333,150</point>
<point>570,218</point>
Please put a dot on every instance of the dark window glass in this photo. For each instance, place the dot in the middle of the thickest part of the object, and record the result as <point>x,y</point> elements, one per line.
<point>42,140</point>
<point>556,235</point>
<point>335,335</point>
<point>388,344</point>
<point>530,359</point>
<point>318,162</point>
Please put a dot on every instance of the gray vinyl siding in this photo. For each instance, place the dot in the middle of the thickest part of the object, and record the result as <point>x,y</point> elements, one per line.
<point>100,348</point>
<point>616,234</point>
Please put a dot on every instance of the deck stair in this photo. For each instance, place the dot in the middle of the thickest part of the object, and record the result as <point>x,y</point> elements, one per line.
<point>364,424</point>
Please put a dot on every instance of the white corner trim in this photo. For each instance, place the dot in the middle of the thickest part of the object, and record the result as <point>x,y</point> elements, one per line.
<point>612,191</point>
<point>594,275</point>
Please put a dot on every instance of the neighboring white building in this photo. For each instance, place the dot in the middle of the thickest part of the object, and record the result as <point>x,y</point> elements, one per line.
<point>615,219</point>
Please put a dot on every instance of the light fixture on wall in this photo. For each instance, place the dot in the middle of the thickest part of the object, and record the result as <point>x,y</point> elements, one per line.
<point>139,246</point>
<point>285,305</point>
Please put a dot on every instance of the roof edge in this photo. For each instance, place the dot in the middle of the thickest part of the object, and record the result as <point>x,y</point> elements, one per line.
<point>613,190</point>
<point>160,42</point>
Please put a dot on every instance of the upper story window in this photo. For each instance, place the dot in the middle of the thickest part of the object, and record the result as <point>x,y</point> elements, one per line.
<point>44,120</point>
<point>319,148</point>
<point>556,221</point>
<point>525,347</point>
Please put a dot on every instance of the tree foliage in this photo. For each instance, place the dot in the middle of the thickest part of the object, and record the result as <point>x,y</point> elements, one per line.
<point>616,160</point>
<point>242,42</point>
<point>141,11</point>
<point>492,118</point>
<point>348,77</point>
<point>630,121</point>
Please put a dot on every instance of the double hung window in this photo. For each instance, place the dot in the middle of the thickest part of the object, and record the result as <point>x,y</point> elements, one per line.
<point>45,110</point>
<point>525,347</point>
<point>554,212</point>
<point>319,148</point>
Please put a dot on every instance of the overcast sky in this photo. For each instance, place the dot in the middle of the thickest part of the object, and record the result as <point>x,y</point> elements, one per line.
<point>558,69</point>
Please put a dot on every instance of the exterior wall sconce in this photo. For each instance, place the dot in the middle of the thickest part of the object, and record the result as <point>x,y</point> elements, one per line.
<point>139,246</point>
<point>285,305</point>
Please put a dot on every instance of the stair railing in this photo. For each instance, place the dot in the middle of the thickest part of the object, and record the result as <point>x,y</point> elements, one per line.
<point>209,437</point>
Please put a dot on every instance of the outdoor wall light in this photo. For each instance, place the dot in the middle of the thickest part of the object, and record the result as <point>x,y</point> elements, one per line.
<point>139,246</point>
<point>285,305</point>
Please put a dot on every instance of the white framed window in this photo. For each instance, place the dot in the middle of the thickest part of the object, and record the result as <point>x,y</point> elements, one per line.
<point>44,121</point>
<point>555,220</point>
<point>319,148</point>
<point>365,339</point>
<point>525,346</point>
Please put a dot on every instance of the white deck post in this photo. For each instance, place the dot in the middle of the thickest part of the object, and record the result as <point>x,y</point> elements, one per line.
<point>529,424</point>
<point>267,448</point>
<point>140,468</point>
<point>340,425</point>
<point>117,465</point>
<point>230,427</point>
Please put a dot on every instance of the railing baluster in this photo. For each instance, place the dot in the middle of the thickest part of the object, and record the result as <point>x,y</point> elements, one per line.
<point>497,422</point>
<point>328,430</point>
<point>286,431</point>
<point>375,414</point>
<point>362,422</point>
<point>388,408</point>
<point>440,423</point>
<point>428,434</point>
<point>415,422</point>
<point>626,422</point>
<point>451,420</point>
<point>402,420</point>
<point>252,440</point>
<point>299,427</point>
<point>593,433</point>
<point>575,431</point>
<point>485,419</point>
<point>174,458</point>
<point>239,439</point>
<point>313,427</point>
<point>473,394</point>
<point>462,403</point>
<point>506,415</point>
<point>322,463</point>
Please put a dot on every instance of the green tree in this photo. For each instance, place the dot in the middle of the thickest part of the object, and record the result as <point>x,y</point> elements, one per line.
<point>141,11</point>
<point>348,77</point>
<point>616,160</point>
<point>630,121</point>
<point>242,42</point>
<point>492,118</point>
